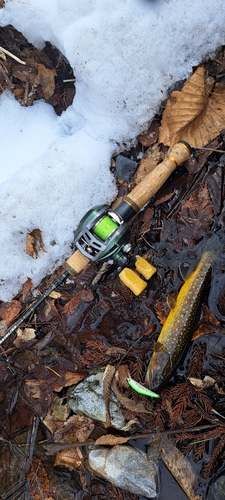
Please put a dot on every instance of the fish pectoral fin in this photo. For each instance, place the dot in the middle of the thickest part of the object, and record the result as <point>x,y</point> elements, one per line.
<point>159,347</point>
<point>172,299</point>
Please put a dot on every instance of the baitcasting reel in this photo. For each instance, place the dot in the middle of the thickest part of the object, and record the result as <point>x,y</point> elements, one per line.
<point>102,234</point>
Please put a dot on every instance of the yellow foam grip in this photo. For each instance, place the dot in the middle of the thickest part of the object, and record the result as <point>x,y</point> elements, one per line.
<point>144,268</point>
<point>132,280</point>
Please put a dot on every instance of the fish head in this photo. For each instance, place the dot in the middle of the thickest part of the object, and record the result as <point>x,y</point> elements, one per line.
<point>159,367</point>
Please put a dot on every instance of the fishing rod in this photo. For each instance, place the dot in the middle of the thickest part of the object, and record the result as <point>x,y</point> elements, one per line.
<point>103,234</point>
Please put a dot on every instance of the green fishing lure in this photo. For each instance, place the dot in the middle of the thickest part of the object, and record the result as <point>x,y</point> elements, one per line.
<point>141,389</point>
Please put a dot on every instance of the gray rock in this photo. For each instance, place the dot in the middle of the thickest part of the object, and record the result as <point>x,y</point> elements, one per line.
<point>125,168</point>
<point>217,489</point>
<point>126,468</point>
<point>87,399</point>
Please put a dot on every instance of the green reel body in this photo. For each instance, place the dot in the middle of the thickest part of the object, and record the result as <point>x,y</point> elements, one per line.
<point>102,234</point>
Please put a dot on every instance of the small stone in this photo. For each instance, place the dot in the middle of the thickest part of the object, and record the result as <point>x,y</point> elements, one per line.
<point>217,489</point>
<point>87,399</point>
<point>125,168</point>
<point>127,468</point>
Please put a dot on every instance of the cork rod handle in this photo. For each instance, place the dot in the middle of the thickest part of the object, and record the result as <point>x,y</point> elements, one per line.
<point>152,182</point>
<point>76,263</point>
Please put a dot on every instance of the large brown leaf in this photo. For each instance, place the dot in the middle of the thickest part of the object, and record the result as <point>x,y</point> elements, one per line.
<point>192,114</point>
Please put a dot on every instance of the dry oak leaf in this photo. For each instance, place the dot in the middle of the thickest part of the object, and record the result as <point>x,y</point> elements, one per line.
<point>193,114</point>
<point>46,78</point>
<point>110,439</point>
<point>71,458</point>
<point>34,243</point>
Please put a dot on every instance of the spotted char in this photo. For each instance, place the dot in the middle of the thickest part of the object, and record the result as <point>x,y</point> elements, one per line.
<point>179,325</point>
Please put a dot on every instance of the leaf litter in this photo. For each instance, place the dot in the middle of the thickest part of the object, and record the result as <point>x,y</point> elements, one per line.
<point>82,328</point>
<point>35,74</point>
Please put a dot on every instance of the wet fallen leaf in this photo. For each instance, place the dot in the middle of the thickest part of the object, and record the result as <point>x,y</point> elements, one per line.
<point>51,311</point>
<point>204,329</point>
<point>76,428</point>
<point>121,375</point>
<point>202,384</point>
<point>30,246</point>
<point>72,378</point>
<point>26,288</point>
<point>24,335</point>
<point>107,381</point>
<point>150,137</point>
<point>34,386</point>
<point>10,311</point>
<point>180,468</point>
<point>55,295</point>
<point>84,296</point>
<point>80,430</point>
<point>209,324</point>
<point>77,308</point>
<point>197,161</point>
<point>148,215</point>
<point>162,308</point>
<point>196,214</point>
<point>194,114</point>
<point>39,482</point>
<point>220,390</point>
<point>215,185</point>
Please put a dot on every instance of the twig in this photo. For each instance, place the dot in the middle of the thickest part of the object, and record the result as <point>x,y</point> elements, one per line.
<point>32,435</point>
<point>211,149</point>
<point>105,266</point>
<point>3,70</point>
<point>52,448</point>
<point>12,55</point>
